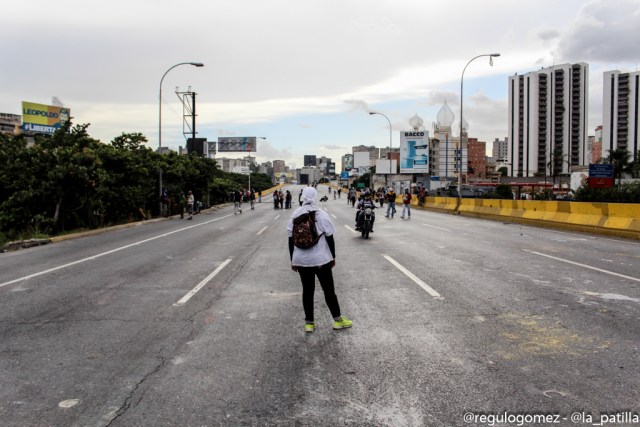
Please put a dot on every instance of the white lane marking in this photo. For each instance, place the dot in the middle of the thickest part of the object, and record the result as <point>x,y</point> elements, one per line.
<point>351,229</point>
<point>263,228</point>
<point>93,257</point>
<point>413,277</point>
<point>584,265</point>
<point>200,285</point>
<point>277,216</point>
<point>334,216</point>
<point>585,237</point>
<point>433,226</point>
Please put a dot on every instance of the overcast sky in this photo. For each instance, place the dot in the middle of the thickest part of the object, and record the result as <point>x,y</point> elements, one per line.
<point>302,73</point>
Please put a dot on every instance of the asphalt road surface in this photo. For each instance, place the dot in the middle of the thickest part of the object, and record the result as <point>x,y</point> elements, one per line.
<point>457,322</point>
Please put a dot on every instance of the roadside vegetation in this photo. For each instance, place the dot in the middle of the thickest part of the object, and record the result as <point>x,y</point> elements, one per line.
<point>71,181</point>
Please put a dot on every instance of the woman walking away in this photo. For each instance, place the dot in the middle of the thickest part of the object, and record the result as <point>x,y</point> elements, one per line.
<point>317,260</point>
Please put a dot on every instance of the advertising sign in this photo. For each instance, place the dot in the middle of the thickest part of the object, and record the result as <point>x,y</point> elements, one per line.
<point>385,167</point>
<point>237,143</point>
<point>597,170</point>
<point>39,118</point>
<point>361,159</point>
<point>414,151</point>
<point>600,175</point>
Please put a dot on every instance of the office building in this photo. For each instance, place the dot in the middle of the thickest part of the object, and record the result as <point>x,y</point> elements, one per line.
<point>500,150</point>
<point>547,119</point>
<point>10,123</point>
<point>620,112</point>
<point>477,165</point>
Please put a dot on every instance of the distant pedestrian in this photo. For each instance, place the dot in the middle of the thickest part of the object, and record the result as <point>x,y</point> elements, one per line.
<point>287,200</point>
<point>259,196</point>
<point>190,202</point>
<point>276,200</point>
<point>237,202</point>
<point>317,260</point>
<point>182,201</point>
<point>391,203</point>
<point>406,204</point>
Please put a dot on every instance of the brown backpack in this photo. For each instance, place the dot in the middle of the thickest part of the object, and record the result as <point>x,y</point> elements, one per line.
<point>305,233</point>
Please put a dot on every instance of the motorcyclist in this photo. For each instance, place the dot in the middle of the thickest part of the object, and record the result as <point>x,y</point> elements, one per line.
<point>365,202</point>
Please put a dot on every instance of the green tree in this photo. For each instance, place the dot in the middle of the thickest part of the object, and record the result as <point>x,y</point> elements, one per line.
<point>635,166</point>
<point>619,159</point>
<point>503,191</point>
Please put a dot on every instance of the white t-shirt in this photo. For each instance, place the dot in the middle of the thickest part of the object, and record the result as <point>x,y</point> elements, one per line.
<point>320,254</point>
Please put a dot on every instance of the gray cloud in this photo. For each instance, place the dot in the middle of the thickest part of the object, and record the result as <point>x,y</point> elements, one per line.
<point>603,31</point>
<point>548,34</point>
<point>358,104</point>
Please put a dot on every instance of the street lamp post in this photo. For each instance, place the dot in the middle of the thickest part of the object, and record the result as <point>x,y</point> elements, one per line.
<point>491,56</point>
<point>390,136</point>
<point>195,64</point>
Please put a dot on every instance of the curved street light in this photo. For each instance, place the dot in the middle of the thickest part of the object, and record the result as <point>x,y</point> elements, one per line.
<point>195,64</point>
<point>491,56</point>
<point>390,134</point>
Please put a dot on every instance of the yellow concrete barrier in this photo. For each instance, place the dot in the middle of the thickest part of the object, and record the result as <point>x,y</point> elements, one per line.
<point>619,219</point>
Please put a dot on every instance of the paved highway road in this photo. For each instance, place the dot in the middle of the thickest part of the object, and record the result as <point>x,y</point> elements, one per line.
<point>200,323</point>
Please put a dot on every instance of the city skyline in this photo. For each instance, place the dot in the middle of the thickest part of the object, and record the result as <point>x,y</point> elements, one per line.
<point>305,83</point>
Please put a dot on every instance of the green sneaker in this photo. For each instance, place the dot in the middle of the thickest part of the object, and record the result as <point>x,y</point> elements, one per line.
<point>342,323</point>
<point>309,327</point>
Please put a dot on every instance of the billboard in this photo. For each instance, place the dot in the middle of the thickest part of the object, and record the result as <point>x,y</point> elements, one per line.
<point>39,118</point>
<point>414,151</point>
<point>361,159</point>
<point>245,144</point>
<point>385,166</point>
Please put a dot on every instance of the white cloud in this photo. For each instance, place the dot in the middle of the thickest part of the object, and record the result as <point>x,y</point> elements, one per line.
<point>264,67</point>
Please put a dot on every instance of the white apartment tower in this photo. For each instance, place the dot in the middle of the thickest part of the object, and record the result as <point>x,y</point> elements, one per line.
<point>548,117</point>
<point>620,112</point>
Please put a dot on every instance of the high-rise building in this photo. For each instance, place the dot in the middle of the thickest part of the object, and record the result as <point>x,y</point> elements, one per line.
<point>500,149</point>
<point>477,165</point>
<point>596,147</point>
<point>548,119</point>
<point>310,160</point>
<point>278,167</point>
<point>620,127</point>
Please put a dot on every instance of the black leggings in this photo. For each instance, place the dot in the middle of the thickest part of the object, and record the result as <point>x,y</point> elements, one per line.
<point>325,276</point>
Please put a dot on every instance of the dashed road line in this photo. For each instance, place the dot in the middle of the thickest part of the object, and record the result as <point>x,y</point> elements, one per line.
<point>584,265</point>
<point>413,277</point>
<point>93,257</point>
<point>433,226</point>
<point>200,285</point>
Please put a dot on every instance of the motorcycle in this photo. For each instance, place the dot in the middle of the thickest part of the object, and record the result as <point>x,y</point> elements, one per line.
<point>367,219</point>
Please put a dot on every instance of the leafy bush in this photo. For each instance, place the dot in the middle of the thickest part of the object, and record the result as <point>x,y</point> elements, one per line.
<point>70,181</point>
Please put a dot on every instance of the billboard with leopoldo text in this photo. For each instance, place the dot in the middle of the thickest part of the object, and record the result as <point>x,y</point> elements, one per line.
<point>39,118</point>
